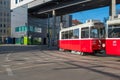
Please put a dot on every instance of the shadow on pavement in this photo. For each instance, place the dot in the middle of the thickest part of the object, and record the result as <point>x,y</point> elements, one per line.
<point>4,49</point>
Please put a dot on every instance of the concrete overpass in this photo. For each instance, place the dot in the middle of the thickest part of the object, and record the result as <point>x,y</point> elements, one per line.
<point>55,8</point>
<point>63,7</point>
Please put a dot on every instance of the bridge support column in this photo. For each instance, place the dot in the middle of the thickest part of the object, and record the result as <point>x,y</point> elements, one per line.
<point>54,28</point>
<point>48,30</point>
<point>112,8</point>
<point>61,22</point>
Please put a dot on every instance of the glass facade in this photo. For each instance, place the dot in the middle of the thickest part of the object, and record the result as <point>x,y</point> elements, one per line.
<point>26,28</point>
<point>21,29</point>
<point>17,1</point>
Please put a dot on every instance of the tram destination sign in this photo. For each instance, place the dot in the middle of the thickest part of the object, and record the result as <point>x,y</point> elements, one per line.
<point>18,3</point>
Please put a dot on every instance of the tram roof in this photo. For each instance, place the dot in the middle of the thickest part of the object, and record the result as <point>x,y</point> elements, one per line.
<point>113,22</point>
<point>87,24</point>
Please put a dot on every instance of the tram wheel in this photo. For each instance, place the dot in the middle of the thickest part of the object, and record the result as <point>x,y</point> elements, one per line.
<point>82,54</point>
<point>61,50</point>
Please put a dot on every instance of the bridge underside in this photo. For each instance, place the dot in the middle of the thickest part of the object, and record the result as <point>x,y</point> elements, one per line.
<point>63,7</point>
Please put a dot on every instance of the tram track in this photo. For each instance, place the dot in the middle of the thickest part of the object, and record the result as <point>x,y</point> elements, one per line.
<point>93,62</point>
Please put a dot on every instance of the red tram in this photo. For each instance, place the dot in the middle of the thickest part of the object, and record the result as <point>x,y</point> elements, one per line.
<point>83,38</point>
<point>113,37</point>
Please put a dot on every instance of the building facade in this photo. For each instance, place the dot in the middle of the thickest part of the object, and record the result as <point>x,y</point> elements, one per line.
<point>16,23</point>
<point>9,19</point>
<point>46,26</point>
<point>5,16</point>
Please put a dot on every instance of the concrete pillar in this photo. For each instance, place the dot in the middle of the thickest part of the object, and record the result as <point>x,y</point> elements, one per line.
<point>61,22</point>
<point>48,29</point>
<point>53,27</point>
<point>112,8</point>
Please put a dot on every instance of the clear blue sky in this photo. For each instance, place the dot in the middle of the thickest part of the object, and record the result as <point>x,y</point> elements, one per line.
<point>99,14</point>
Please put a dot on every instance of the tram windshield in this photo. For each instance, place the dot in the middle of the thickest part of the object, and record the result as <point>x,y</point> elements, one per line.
<point>114,31</point>
<point>97,32</point>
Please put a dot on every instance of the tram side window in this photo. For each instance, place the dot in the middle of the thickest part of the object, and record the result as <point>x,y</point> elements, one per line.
<point>94,33</point>
<point>75,33</point>
<point>114,32</point>
<point>85,32</point>
<point>70,34</point>
<point>63,35</point>
<point>66,34</point>
<point>102,33</point>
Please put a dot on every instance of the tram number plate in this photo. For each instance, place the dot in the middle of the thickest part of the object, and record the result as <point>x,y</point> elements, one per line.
<point>114,43</point>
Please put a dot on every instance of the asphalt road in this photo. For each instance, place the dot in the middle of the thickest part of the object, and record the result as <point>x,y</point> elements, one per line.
<point>42,63</point>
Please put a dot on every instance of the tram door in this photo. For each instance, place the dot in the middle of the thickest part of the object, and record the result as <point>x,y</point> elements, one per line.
<point>85,40</point>
<point>113,40</point>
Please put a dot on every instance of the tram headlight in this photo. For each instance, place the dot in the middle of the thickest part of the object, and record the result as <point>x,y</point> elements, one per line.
<point>103,45</point>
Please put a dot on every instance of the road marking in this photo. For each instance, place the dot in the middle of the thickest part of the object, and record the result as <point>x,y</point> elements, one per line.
<point>7,57</point>
<point>7,67</point>
<point>9,71</point>
<point>26,58</point>
<point>20,63</point>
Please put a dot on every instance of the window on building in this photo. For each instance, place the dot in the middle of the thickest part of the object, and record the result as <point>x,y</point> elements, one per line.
<point>4,31</point>
<point>1,2</point>
<point>4,25</point>
<point>7,14</point>
<point>4,2</point>
<point>20,0</point>
<point>16,1</point>
<point>17,29</point>
<point>0,25</point>
<point>0,13</point>
<point>1,30</point>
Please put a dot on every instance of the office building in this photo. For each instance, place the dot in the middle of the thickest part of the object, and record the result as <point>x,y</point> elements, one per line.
<point>5,22</point>
<point>16,23</point>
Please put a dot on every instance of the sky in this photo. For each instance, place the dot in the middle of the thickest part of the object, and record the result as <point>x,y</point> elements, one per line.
<point>97,14</point>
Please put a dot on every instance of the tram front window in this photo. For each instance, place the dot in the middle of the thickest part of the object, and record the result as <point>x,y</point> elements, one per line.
<point>114,31</point>
<point>94,33</point>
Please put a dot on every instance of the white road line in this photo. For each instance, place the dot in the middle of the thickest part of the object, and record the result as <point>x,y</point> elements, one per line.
<point>20,63</point>
<point>1,71</point>
<point>7,67</point>
<point>7,57</point>
<point>27,67</point>
<point>9,71</point>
